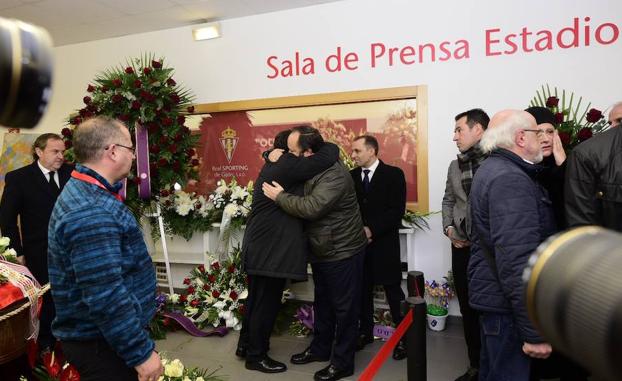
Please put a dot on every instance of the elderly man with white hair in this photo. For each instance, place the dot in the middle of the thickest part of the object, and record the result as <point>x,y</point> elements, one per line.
<point>511,215</point>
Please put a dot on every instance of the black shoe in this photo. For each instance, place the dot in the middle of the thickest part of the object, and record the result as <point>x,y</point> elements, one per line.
<point>331,373</point>
<point>241,352</point>
<point>399,352</point>
<point>306,357</point>
<point>363,340</point>
<point>266,365</point>
<point>471,374</point>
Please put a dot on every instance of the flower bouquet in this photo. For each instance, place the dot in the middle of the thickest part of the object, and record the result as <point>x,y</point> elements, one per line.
<point>575,123</point>
<point>214,296</point>
<point>185,213</point>
<point>55,368</point>
<point>231,202</point>
<point>437,296</point>
<point>176,371</point>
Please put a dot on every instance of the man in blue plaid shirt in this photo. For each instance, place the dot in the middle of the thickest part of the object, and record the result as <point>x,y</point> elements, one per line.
<point>102,278</point>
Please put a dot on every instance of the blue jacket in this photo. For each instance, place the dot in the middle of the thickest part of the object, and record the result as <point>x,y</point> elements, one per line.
<point>511,216</point>
<point>102,278</point>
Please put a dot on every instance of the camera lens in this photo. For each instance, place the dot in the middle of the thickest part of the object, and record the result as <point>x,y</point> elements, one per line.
<point>25,73</point>
<point>574,298</point>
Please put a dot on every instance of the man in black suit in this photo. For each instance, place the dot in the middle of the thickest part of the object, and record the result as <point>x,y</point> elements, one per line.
<point>381,193</point>
<point>30,193</point>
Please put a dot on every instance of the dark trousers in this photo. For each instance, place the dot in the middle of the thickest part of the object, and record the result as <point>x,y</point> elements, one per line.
<point>557,365</point>
<point>95,360</point>
<point>48,312</point>
<point>262,305</point>
<point>336,305</point>
<point>502,356</point>
<point>470,317</point>
<point>394,294</point>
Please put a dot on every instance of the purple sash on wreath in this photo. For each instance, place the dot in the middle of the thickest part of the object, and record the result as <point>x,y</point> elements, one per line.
<point>192,329</point>
<point>142,162</point>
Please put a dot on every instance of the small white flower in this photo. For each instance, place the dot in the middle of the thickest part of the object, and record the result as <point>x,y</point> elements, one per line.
<point>4,241</point>
<point>231,209</point>
<point>174,369</point>
<point>174,298</point>
<point>243,294</point>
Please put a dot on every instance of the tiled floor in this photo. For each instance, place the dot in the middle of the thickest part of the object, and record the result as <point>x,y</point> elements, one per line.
<point>446,356</point>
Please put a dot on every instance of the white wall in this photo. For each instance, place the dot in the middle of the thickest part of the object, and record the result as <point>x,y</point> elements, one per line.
<point>234,66</point>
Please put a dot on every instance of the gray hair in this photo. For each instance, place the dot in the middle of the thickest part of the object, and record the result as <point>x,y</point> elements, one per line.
<point>503,134</point>
<point>93,135</point>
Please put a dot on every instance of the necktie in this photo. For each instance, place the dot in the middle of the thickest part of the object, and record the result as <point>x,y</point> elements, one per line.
<point>52,182</point>
<point>366,179</point>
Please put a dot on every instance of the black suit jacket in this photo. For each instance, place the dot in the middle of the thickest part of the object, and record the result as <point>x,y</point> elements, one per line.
<point>28,194</point>
<point>382,209</point>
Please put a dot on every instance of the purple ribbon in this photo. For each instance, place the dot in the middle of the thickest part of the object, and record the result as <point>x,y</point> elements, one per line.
<point>306,316</point>
<point>142,162</point>
<point>383,331</point>
<point>192,329</point>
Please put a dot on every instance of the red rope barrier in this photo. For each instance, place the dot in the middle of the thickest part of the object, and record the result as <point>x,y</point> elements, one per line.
<point>375,364</point>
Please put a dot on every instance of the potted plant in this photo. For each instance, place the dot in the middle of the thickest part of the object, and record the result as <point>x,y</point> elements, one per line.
<point>437,295</point>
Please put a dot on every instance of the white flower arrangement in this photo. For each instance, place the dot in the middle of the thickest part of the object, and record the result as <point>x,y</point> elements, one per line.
<point>176,371</point>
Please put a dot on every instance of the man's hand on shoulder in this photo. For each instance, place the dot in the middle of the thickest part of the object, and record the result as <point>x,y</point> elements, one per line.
<point>151,369</point>
<point>275,155</point>
<point>271,191</point>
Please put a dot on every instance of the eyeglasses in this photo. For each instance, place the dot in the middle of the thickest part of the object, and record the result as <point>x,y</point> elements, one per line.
<point>131,149</point>
<point>615,122</point>
<point>538,133</point>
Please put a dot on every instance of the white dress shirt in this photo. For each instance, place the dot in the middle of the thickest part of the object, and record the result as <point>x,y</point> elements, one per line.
<point>46,173</point>
<point>372,169</point>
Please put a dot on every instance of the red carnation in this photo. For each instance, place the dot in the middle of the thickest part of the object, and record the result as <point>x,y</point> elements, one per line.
<point>186,280</point>
<point>90,89</point>
<point>211,278</point>
<point>215,293</point>
<point>156,64</point>
<point>233,295</point>
<point>138,84</point>
<point>66,132</point>
<point>559,118</point>
<point>584,134</point>
<point>162,162</point>
<point>190,290</point>
<point>190,109</point>
<point>593,116</point>
<point>564,137</point>
<point>194,303</point>
<point>216,266</point>
<point>68,144</point>
<point>147,70</point>
<point>552,102</point>
<point>183,298</point>
<point>172,148</point>
<point>136,105</point>
<point>116,82</point>
<point>195,162</point>
<point>167,121</point>
<point>206,287</point>
<point>129,70</point>
<point>87,100</point>
<point>171,82</point>
<point>116,98</point>
<point>201,268</point>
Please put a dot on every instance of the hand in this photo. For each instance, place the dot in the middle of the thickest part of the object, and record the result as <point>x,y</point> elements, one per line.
<point>460,243</point>
<point>151,369</point>
<point>558,149</point>
<point>537,351</point>
<point>272,191</point>
<point>367,233</point>
<point>275,154</point>
<point>21,260</point>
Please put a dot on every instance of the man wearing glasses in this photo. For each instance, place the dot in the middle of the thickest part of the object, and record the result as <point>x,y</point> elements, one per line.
<point>593,188</point>
<point>102,277</point>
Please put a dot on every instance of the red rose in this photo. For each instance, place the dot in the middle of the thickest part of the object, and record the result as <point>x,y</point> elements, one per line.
<point>190,152</point>
<point>181,119</point>
<point>564,137</point>
<point>194,303</point>
<point>90,89</point>
<point>171,82</point>
<point>124,117</point>
<point>211,278</point>
<point>175,98</point>
<point>197,205</point>
<point>186,280</point>
<point>138,84</point>
<point>593,116</point>
<point>156,64</point>
<point>183,298</point>
<point>52,366</point>
<point>66,132</point>
<point>206,287</point>
<point>552,102</point>
<point>164,193</point>
<point>167,108</point>
<point>136,105</point>
<point>190,109</point>
<point>178,138</point>
<point>176,165</point>
<point>147,70</point>
<point>152,127</point>
<point>163,139</point>
<point>68,144</point>
<point>559,117</point>
<point>70,373</point>
<point>201,268</point>
<point>190,290</point>
<point>215,293</point>
<point>233,295</point>
<point>167,121</point>
<point>129,70</point>
<point>154,148</point>
<point>195,162</point>
<point>231,269</point>
<point>77,120</point>
<point>104,88</point>
<point>87,100</point>
<point>584,134</point>
<point>116,98</point>
<point>91,108</point>
<point>172,148</point>
<point>216,266</point>
<point>83,112</point>
<point>117,82</point>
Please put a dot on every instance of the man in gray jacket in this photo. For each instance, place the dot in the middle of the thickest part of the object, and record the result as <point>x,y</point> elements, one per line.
<point>337,241</point>
<point>470,126</point>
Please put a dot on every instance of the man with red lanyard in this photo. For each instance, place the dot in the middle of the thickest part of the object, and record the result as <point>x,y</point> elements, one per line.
<point>102,278</point>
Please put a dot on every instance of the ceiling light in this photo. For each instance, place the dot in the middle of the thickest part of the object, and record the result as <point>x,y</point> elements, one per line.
<point>206,31</point>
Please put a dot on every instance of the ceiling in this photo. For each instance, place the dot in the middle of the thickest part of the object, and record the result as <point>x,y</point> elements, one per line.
<point>74,21</point>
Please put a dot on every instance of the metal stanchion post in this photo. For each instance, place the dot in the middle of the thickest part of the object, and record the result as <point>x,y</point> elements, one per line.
<point>415,283</point>
<point>416,340</point>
